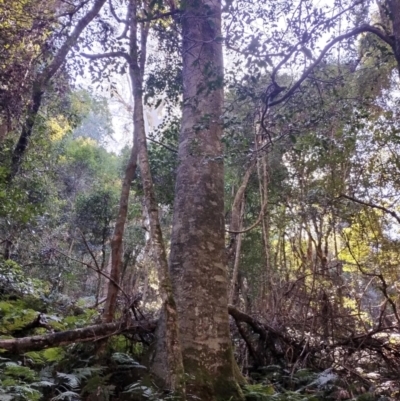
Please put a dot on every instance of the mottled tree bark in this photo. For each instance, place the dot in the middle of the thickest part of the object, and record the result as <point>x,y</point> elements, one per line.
<point>197,261</point>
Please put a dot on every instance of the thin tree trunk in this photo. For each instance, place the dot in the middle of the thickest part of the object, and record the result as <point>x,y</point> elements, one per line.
<point>263,191</point>
<point>41,83</point>
<point>27,127</point>
<point>117,238</point>
<point>235,272</point>
<point>197,261</point>
<point>237,202</point>
<point>265,220</point>
<point>103,283</point>
<point>168,331</point>
<point>145,273</point>
<point>236,226</point>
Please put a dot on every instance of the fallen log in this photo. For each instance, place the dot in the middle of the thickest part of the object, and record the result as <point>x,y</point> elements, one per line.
<point>263,329</point>
<point>95,333</point>
<point>142,327</point>
<point>85,334</point>
<point>90,333</point>
<point>271,341</point>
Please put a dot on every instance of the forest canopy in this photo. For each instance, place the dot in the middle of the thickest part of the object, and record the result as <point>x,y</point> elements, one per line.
<point>199,200</point>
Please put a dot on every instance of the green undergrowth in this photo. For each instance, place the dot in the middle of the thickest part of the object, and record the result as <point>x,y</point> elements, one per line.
<point>274,383</point>
<point>74,373</point>
<point>83,371</point>
<point>89,371</point>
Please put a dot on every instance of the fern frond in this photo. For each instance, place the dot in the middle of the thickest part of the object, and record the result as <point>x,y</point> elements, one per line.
<point>84,373</point>
<point>66,395</point>
<point>126,360</point>
<point>43,383</point>
<point>71,379</point>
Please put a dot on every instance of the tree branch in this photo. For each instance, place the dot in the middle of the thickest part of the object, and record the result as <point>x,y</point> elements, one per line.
<point>255,224</point>
<point>159,16</point>
<point>114,14</point>
<point>40,84</point>
<point>97,271</point>
<point>372,205</point>
<point>71,40</point>
<point>348,35</point>
<point>163,144</point>
<point>110,55</point>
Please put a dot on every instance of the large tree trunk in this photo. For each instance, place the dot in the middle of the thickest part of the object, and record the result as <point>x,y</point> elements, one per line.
<point>198,261</point>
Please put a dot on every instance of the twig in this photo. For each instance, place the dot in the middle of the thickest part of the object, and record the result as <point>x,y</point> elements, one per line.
<point>116,54</point>
<point>163,144</point>
<point>96,270</point>
<point>89,250</point>
<point>255,224</point>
